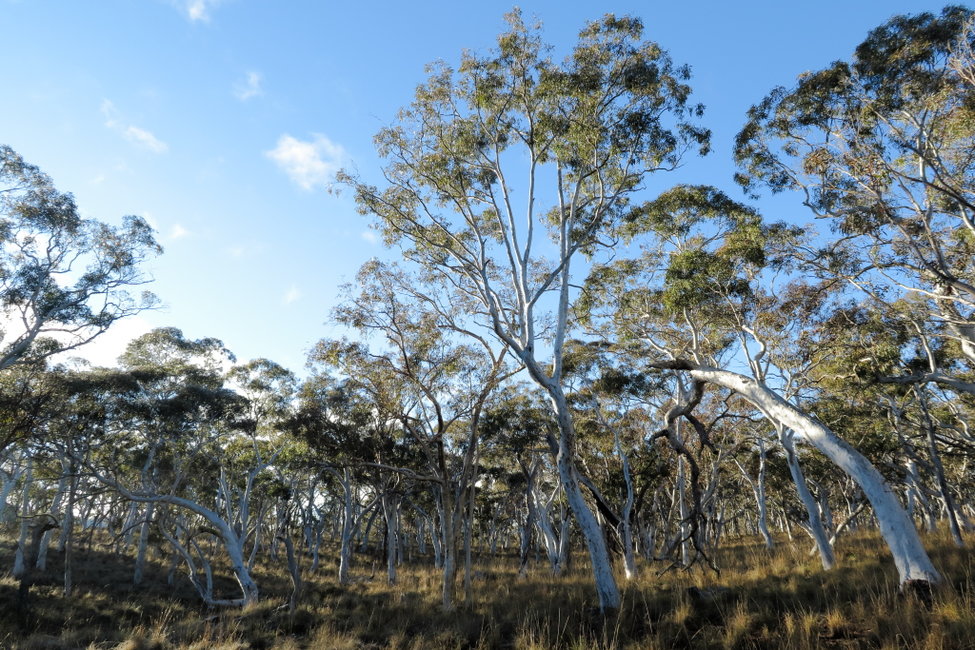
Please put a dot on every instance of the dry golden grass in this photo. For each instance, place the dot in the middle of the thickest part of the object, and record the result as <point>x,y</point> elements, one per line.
<point>760,600</point>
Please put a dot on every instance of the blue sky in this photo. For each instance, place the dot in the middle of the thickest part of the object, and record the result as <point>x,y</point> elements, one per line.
<point>221,121</point>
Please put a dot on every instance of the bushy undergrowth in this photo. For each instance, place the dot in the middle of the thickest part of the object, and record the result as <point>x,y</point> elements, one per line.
<point>759,600</point>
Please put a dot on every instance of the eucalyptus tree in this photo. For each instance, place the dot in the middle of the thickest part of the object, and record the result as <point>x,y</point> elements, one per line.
<point>164,446</point>
<point>268,390</point>
<point>883,148</point>
<point>350,438</point>
<point>443,387</point>
<point>519,427</point>
<point>63,279</point>
<point>581,135</point>
<point>697,295</point>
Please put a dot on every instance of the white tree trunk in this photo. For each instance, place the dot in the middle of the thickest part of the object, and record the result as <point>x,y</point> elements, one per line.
<point>348,524</point>
<point>629,562</point>
<point>19,557</point>
<point>897,529</point>
<point>55,506</point>
<point>140,556</point>
<point>602,569</point>
<point>392,537</point>
<point>682,527</point>
<point>816,527</point>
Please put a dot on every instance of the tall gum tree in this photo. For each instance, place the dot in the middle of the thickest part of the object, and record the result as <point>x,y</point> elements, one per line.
<point>882,147</point>
<point>63,279</point>
<point>443,388</point>
<point>489,159</point>
<point>696,295</point>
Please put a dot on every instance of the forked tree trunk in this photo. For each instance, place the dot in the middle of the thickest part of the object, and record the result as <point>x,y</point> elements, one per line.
<point>758,490</point>
<point>390,505</point>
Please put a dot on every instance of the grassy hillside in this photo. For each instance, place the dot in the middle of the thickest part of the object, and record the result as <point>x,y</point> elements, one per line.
<point>759,600</point>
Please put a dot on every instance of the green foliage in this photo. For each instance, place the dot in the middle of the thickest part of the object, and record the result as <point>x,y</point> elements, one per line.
<point>42,238</point>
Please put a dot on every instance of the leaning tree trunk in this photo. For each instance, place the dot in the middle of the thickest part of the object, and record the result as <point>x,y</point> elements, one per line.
<point>939,472</point>
<point>812,508</point>
<point>914,567</point>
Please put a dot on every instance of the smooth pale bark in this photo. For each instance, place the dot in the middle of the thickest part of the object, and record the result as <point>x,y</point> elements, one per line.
<point>939,473</point>
<point>916,491</point>
<point>602,569</point>
<point>468,540</point>
<point>390,505</point>
<point>816,528</point>
<point>437,541</point>
<point>140,556</point>
<point>565,530</point>
<point>629,562</point>
<point>758,490</point>
<point>683,530</point>
<point>896,527</point>
<point>45,544</point>
<point>67,532</point>
<point>233,544</point>
<point>525,536</point>
<point>348,523</point>
<point>546,531</point>
<point>293,570</point>
<point>19,558</point>
<point>449,516</point>
<point>131,523</point>
<point>539,514</point>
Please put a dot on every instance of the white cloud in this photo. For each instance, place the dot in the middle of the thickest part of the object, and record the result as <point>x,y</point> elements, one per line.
<point>134,134</point>
<point>199,10</point>
<point>370,236</point>
<point>291,295</point>
<point>178,232</point>
<point>308,164</point>
<point>250,87</point>
<point>145,139</point>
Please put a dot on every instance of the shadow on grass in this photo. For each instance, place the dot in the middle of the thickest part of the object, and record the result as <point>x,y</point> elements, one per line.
<point>760,600</point>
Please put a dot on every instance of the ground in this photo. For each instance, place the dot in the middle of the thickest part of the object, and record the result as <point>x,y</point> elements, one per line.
<point>760,599</point>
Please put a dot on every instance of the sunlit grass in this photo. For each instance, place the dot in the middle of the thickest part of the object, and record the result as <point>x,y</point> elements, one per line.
<point>760,599</point>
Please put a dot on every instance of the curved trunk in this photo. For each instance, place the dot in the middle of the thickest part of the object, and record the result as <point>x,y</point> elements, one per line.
<point>233,544</point>
<point>896,527</point>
